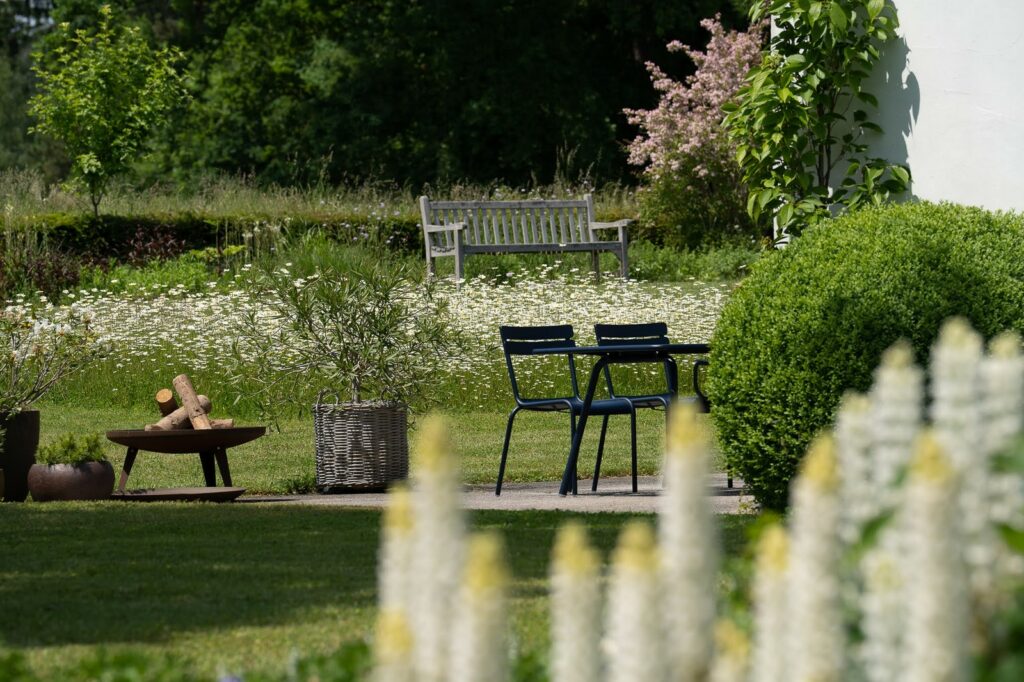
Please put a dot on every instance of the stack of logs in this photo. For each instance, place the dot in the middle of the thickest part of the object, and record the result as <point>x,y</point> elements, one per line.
<point>193,413</point>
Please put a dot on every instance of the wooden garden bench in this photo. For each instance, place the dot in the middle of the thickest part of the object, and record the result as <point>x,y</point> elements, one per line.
<point>464,228</point>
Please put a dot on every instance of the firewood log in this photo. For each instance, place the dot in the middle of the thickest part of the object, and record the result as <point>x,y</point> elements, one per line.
<point>190,401</point>
<point>179,419</point>
<point>165,401</point>
<point>222,423</point>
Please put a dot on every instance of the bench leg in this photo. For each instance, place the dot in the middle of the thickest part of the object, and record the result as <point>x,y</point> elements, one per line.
<point>595,259</point>
<point>460,257</point>
<point>624,255</point>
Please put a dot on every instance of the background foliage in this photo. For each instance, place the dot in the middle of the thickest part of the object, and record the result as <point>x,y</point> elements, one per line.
<point>800,122</point>
<point>300,92</point>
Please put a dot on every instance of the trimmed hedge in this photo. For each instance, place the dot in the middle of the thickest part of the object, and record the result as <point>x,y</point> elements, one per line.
<point>114,237</point>
<point>812,320</point>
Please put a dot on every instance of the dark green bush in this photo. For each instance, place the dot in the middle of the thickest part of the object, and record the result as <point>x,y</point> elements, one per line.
<point>811,321</point>
<point>133,238</point>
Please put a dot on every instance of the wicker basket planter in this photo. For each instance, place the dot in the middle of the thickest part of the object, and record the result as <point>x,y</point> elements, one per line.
<point>360,446</point>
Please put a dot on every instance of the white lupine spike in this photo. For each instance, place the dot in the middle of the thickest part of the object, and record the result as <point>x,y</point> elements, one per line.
<point>956,398</point>
<point>479,646</point>
<point>634,644</point>
<point>1002,373</point>
<point>393,647</point>
<point>732,657</point>
<point>438,542</point>
<point>896,410</point>
<point>771,617</point>
<point>1003,376</point>
<point>395,567</point>
<point>883,611</point>
<point>936,597</point>
<point>857,492</point>
<point>816,643</point>
<point>575,607</point>
<point>689,550</point>
<point>957,416</point>
<point>897,399</point>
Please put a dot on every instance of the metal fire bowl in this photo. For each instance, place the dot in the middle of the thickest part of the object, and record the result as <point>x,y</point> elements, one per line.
<point>185,441</point>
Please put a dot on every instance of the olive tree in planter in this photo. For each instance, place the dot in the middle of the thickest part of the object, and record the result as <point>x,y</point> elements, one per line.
<point>370,340</point>
<point>72,468</point>
<point>40,345</point>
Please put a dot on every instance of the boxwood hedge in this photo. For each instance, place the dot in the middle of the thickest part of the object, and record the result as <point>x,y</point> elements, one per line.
<point>811,321</point>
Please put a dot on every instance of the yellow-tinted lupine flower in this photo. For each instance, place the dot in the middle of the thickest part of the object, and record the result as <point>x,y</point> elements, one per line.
<point>438,542</point>
<point>479,646</point>
<point>689,550</point>
<point>816,645</point>
<point>897,398</point>
<point>392,648</point>
<point>732,658</point>
<point>575,607</point>
<point>857,493</point>
<point>634,646</point>
<point>936,598</point>
<point>957,417</point>
<point>395,567</point>
<point>771,616</point>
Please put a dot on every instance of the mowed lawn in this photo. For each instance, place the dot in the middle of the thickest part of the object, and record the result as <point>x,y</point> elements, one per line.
<point>283,461</point>
<point>230,588</point>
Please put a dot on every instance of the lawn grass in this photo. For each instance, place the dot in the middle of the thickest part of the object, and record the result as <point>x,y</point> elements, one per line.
<point>233,587</point>
<point>284,461</point>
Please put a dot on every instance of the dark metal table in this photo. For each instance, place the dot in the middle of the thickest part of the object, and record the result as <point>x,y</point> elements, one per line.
<point>628,354</point>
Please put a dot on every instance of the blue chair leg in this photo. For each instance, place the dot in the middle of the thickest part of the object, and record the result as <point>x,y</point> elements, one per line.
<point>504,450</point>
<point>572,435</point>
<point>632,434</point>
<point>600,453</point>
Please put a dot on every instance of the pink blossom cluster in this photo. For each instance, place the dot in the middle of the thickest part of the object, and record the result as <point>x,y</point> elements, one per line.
<point>683,134</point>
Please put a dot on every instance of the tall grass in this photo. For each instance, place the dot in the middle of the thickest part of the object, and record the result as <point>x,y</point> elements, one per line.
<point>27,194</point>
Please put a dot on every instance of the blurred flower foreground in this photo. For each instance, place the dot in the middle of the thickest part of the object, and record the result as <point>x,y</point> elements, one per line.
<point>894,562</point>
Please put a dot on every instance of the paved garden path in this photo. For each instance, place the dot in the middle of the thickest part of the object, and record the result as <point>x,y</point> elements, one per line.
<point>613,495</point>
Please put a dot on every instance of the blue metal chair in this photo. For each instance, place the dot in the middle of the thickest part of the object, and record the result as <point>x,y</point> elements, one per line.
<point>628,334</point>
<point>520,341</point>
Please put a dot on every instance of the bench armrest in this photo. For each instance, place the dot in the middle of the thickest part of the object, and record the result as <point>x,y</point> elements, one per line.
<point>451,227</point>
<point>610,226</point>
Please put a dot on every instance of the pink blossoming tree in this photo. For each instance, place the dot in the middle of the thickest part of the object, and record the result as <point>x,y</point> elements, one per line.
<point>692,184</point>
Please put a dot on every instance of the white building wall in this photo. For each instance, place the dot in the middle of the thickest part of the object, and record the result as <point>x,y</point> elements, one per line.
<point>951,100</point>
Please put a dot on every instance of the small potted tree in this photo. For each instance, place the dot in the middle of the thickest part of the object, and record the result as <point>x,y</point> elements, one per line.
<point>40,345</point>
<point>72,468</point>
<point>370,339</point>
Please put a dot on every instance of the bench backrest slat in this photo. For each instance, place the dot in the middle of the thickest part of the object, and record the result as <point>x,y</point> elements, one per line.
<point>501,223</point>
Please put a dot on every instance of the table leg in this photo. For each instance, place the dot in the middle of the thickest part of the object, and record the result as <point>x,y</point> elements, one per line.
<point>222,463</point>
<point>569,475</point>
<point>126,468</point>
<point>208,471</point>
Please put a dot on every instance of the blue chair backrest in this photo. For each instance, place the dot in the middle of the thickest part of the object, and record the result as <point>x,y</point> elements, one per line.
<point>627,334</point>
<point>524,340</point>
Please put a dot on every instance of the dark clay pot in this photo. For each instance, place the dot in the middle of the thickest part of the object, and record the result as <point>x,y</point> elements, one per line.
<point>86,481</point>
<point>18,453</point>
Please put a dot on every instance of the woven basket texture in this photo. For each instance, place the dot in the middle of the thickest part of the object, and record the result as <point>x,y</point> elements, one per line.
<point>360,446</point>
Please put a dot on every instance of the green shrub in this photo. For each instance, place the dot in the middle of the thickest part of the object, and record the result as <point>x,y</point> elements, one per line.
<point>72,449</point>
<point>811,321</point>
<point>666,264</point>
